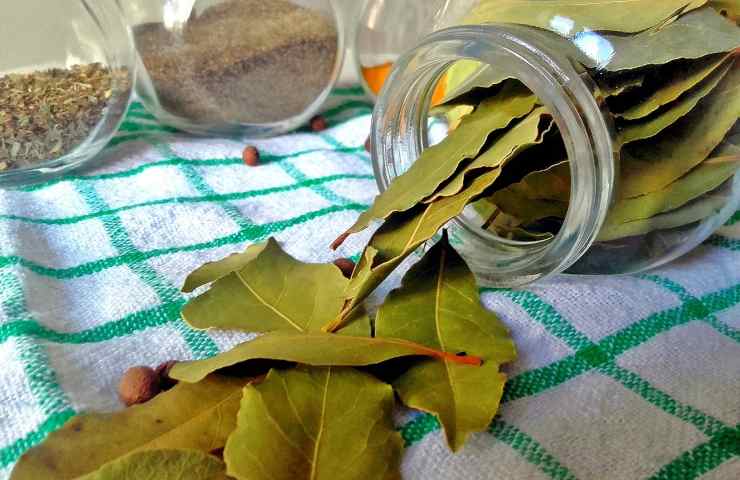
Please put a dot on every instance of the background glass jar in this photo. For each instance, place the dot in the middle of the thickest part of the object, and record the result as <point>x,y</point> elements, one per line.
<point>66,78</point>
<point>227,67</point>
<point>639,147</point>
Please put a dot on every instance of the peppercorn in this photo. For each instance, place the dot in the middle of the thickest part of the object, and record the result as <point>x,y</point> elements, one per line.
<point>346,265</point>
<point>318,123</point>
<point>138,385</point>
<point>251,156</point>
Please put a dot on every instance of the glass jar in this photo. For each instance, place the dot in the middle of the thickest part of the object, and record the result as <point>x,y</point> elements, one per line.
<point>639,165</point>
<point>236,67</point>
<point>66,78</point>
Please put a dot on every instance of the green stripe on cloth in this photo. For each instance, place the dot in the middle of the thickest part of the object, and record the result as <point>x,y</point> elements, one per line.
<point>178,161</point>
<point>703,458</point>
<point>724,242</point>
<point>11,453</point>
<point>41,378</point>
<point>423,424</point>
<point>734,219</point>
<point>153,317</point>
<point>216,198</point>
<point>255,233</point>
<point>528,448</point>
<point>200,343</point>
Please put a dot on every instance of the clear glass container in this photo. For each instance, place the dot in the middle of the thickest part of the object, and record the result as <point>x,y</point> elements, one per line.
<point>66,78</point>
<point>640,165</point>
<point>236,67</point>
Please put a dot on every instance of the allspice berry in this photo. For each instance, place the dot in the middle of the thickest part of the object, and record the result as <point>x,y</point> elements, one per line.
<point>346,265</point>
<point>138,385</point>
<point>163,372</point>
<point>251,156</point>
<point>318,123</point>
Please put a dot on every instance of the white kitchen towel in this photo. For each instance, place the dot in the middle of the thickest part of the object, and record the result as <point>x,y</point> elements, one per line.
<point>628,377</point>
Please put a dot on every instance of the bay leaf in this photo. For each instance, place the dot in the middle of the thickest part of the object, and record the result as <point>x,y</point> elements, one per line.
<point>652,164</point>
<point>313,348</point>
<point>615,85</point>
<point>189,416</point>
<point>162,465</point>
<point>272,292</point>
<point>569,17</point>
<point>326,424</point>
<point>526,209</point>
<point>522,135</point>
<point>693,211</point>
<point>212,271</point>
<point>464,76</point>
<point>552,183</point>
<point>727,8</point>
<point>398,237</point>
<point>710,174</point>
<point>438,304</point>
<point>439,162</point>
<point>654,124</point>
<point>674,87</point>
<point>694,35</point>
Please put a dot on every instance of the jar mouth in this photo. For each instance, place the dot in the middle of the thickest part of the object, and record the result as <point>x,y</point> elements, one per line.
<point>532,57</point>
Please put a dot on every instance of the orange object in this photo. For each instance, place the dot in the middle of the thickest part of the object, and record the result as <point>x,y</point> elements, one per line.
<point>375,78</point>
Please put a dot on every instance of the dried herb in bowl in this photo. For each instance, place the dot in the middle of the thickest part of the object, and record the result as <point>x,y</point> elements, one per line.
<point>240,61</point>
<point>46,114</point>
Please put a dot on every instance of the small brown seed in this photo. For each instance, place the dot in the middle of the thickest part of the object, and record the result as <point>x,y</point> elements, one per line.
<point>251,156</point>
<point>138,385</point>
<point>163,373</point>
<point>318,124</point>
<point>369,145</point>
<point>346,265</point>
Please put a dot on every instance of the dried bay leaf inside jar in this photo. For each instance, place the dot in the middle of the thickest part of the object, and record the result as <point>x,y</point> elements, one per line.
<point>639,166</point>
<point>236,66</point>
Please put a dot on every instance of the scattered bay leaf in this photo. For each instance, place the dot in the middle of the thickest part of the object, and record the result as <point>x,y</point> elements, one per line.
<point>438,305</point>
<point>652,164</point>
<point>274,291</point>
<point>437,163</point>
<point>162,465</point>
<point>654,124</point>
<point>326,423</point>
<point>189,416</point>
<point>212,271</point>
<point>675,86</point>
<point>313,348</point>
<point>399,236</point>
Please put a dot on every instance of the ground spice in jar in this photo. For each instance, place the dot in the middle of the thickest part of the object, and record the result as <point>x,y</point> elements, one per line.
<point>240,61</point>
<point>47,114</point>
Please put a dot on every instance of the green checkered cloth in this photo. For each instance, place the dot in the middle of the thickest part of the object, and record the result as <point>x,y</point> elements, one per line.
<point>626,377</point>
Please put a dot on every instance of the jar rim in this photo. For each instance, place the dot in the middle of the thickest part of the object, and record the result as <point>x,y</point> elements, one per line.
<point>399,135</point>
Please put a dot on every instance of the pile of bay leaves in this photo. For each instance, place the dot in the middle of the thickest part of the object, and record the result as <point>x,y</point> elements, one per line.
<point>304,399</point>
<point>667,73</point>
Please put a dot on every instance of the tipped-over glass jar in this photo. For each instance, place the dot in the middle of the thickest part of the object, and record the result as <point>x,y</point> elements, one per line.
<point>232,67</point>
<point>626,155</point>
<point>66,78</point>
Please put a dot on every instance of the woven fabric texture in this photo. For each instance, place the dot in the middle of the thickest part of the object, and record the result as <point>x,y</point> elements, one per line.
<point>629,377</point>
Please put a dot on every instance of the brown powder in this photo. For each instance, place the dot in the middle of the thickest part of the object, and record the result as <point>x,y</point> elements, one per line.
<point>242,61</point>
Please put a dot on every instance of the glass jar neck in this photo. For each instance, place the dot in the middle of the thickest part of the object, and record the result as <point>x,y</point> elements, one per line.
<point>543,63</point>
